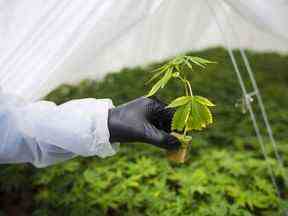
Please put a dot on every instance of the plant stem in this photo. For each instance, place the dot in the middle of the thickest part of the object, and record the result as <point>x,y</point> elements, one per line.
<point>190,89</point>
<point>185,84</point>
<point>186,89</point>
<point>185,131</point>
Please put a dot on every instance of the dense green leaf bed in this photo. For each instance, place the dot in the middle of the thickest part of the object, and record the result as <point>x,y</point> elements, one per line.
<point>225,173</point>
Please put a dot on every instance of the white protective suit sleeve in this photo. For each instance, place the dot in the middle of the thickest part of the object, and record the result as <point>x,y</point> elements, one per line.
<point>43,133</point>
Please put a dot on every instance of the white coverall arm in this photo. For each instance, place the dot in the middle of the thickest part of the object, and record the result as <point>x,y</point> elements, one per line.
<point>43,133</point>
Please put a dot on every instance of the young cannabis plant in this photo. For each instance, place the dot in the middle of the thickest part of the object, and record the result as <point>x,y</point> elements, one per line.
<point>192,111</point>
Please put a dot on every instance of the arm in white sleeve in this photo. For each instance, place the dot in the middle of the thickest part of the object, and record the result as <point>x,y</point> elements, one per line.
<point>43,133</point>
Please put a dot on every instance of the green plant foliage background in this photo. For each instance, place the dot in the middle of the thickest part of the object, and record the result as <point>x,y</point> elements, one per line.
<point>225,173</point>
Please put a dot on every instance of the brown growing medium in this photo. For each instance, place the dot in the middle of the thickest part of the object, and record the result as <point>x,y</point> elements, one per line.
<point>180,155</point>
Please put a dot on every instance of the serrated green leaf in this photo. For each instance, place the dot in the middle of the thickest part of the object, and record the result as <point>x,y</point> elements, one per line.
<point>198,63</point>
<point>195,118</point>
<point>180,101</point>
<point>204,101</point>
<point>199,177</point>
<point>177,67</point>
<point>202,60</point>
<point>200,116</point>
<point>206,115</point>
<point>166,78</point>
<point>162,68</point>
<point>180,117</point>
<point>156,75</point>
<point>154,89</point>
<point>178,60</point>
<point>90,176</point>
<point>189,65</point>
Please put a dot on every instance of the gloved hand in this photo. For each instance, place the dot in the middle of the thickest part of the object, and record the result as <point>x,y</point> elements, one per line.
<point>144,120</point>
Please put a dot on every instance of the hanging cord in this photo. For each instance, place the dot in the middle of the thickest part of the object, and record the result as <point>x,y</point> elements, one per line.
<point>247,101</point>
<point>259,100</point>
<point>264,113</point>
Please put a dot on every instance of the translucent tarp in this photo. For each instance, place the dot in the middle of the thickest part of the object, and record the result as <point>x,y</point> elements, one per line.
<point>45,43</point>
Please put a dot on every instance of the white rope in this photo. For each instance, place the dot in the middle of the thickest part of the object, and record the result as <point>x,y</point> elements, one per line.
<point>248,102</point>
<point>264,114</point>
<point>260,102</point>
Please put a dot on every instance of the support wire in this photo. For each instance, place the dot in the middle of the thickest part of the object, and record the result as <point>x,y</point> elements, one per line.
<point>247,101</point>
<point>260,102</point>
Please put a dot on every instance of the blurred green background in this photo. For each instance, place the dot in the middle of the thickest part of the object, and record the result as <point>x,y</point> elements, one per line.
<point>225,174</point>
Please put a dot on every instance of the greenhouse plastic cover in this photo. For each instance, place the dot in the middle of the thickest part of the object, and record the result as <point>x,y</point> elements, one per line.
<point>45,43</point>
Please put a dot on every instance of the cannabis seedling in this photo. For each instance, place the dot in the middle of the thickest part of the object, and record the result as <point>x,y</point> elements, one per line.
<point>192,111</point>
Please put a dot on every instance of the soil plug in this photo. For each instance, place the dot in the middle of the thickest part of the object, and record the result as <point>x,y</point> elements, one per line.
<point>180,156</point>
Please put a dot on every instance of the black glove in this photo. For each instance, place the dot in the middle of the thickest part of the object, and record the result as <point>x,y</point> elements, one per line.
<point>143,120</point>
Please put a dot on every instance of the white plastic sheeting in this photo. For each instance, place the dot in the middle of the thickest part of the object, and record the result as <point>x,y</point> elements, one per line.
<point>45,43</point>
